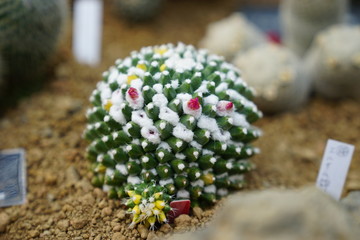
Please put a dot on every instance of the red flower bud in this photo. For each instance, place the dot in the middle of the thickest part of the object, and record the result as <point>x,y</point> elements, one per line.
<point>229,106</point>
<point>133,93</point>
<point>194,104</point>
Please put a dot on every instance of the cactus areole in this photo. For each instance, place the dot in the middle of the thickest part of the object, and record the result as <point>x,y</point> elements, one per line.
<point>168,123</point>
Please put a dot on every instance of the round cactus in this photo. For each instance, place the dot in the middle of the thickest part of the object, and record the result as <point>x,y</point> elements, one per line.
<point>333,62</point>
<point>275,74</point>
<point>176,116</point>
<point>231,35</point>
<point>29,33</point>
<point>138,10</point>
<point>302,19</point>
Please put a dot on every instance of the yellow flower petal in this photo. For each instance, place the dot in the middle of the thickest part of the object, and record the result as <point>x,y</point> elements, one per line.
<point>130,78</point>
<point>108,105</point>
<point>142,66</point>
<point>160,204</point>
<point>163,67</point>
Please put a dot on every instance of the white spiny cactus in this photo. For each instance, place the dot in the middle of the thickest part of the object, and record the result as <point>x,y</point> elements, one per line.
<point>275,74</point>
<point>333,62</point>
<point>174,117</point>
<point>231,35</point>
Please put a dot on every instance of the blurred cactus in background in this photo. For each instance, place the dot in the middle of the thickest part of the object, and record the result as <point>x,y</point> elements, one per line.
<point>333,62</point>
<point>176,117</point>
<point>29,34</point>
<point>275,74</point>
<point>302,19</point>
<point>231,35</point>
<point>138,10</point>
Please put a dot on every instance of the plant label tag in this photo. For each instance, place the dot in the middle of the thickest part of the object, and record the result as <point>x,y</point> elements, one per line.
<point>12,177</point>
<point>87,31</point>
<point>178,207</point>
<point>334,167</point>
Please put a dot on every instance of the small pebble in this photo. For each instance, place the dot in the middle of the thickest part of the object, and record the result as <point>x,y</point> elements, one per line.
<point>183,220</point>
<point>165,228</point>
<point>106,212</point>
<point>143,231</point>
<point>78,223</point>
<point>63,225</point>
<point>197,212</point>
<point>118,236</point>
<point>4,221</point>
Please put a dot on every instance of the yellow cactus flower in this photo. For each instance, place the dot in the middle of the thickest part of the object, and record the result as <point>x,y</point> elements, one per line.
<point>156,211</point>
<point>208,178</point>
<point>151,220</point>
<point>130,78</point>
<point>131,193</point>
<point>136,210</point>
<point>108,105</point>
<point>160,204</point>
<point>100,168</point>
<point>136,218</point>
<point>136,198</point>
<point>163,67</point>
<point>158,195</point>
<point>162,217</point>
<point>161,51</point>
<point>141,66</point>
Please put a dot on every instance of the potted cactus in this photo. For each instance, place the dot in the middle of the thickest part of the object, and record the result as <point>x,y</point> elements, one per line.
<point>170,122</point>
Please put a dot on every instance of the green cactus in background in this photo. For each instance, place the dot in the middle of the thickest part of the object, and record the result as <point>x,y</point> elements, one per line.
<point>29,33</point>
<point>176,116</point>
<point>138,10</point>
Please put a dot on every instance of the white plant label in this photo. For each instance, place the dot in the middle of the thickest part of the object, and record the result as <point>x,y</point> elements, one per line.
<point>334,167</point>
<point>87,31</point>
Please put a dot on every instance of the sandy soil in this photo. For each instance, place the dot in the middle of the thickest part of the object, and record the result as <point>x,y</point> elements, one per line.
<point>61,202</point>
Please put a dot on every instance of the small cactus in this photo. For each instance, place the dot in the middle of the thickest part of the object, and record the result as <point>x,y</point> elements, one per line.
<point>333,62</point>
<point>302,19</point>
<point>231,35</point>
<point>275,74</point>
<point>174,117</point>
<point>138,10</point>
<point>29,33</point>
<point>148,203</point>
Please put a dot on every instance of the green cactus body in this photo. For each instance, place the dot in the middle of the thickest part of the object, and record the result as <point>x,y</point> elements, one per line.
<point>302,19</point>
<point>333,62</point>
<point>138,10</point>
<point>280,85</point>
<point>29,33</point>
<point>176,120</point>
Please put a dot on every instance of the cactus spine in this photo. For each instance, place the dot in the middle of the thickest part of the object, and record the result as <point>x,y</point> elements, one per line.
<point>231,35</point>
<point>29,33</point>
<point>333,62</point>
<point>275,74</point>
<point>173,116</point>
<point>302,19</point>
